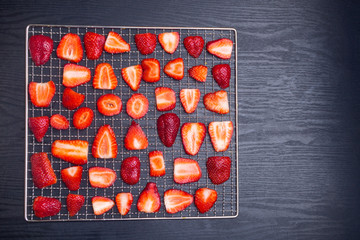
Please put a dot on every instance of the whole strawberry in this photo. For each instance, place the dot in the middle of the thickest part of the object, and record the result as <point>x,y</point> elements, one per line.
<point>41,48</point>
<point>46,207</point>
<point>145,43</point>
<point>194,45</point>
<point>39,126</point>
<point>168,126</point>
<point>222,74</point>
<point>218,169</point>
<point>94,45</point>
<point>130,170</point>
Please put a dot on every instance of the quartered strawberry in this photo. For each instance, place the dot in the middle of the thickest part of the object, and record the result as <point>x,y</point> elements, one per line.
<point>169,41</point>
<point>104,145</point>
<point>123,202</point>
<point>193,135</point>
<point>74,203</point>
<point>116,44</point>
<point>104,77</point>
<point>175,68</point>
<point>137,106</point>
<point>198,73</point>
<point>157,164</point>
<point>72,177</point>
<point>132,76</point>
<point>135,138</point>
<point>221,48</point>
<point>151,70</point>
<point>205,199</point>
<point>40,47</point>
<point>218,169</point>
<point>130,170</point>
<point>71,99</point>
<point>177,200</point>
<point>217,102</point>
<point>94,45</point>
<point>109,104</point>
<point>149,199</point>
<point>46,207</point>
<point>222,73</point>
<point>145,43</point>
<point>186,170</point>
<point>41,94</point>
<point>189,99</point>
<point>39,127</point>
<point>101,205</point>
<point>165,99</point>
<point>75,75</point>
<point>83,117</point>
<point>59,122</point>
<point>167,127</point>
<point>72,151</point>
<point>220,135</point>
<point>42,172</point>
<point>70,48</point>
<point>194,45</point>
<point>101,177</point>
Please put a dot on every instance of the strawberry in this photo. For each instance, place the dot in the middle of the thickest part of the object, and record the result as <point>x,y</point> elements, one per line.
<point>221,48</point>
<point>145,43</point>
<point>169,41</point>
<point>104,77</point>
<point>74,203</point>
<point>71,99</point>
<point>165,99</point>
<point>205,199</point>
<point>75,75</point>
<point>132,76</point>
<point>149,199</point>
<point>157,165</point>
<point>151,70</point>
<point>135,138</point>
<point>137,106</point>
<point>217,102</point>
<point>39,127</point>
<point>222,73</point>
<point>46,207</point>
<point>123,202</point>
<point>177,200</point>
<point>83,117</point>
<point>101,205</point>
<point>193,135</point>
<point>218,169</point>
<point>198,73</point>
<point>101,177</point>
<point>70,48</point>
<point>59,122</point>
<point>167,127</point>
<point>189,99</point>
<point>104,145</point>
<point>194,45</point>
<point>130,170</point>
<point>42,173</point>
<point>72,151</point>
<point>175,68</point>
<point>41,94</point>
<point>109,104</point>
<point>220,135</point>
<point>94,44</point>
<point>40,47</point>
<point>186,170</point>
<point>116,44</point>
<point>72,177</point>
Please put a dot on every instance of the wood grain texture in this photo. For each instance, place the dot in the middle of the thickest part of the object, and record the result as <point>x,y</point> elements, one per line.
<point>299,116</point>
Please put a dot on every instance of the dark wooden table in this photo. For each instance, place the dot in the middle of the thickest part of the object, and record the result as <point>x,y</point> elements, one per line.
<point>299,116</point>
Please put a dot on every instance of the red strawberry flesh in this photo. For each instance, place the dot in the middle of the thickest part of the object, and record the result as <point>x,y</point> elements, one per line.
<point>42,172</point>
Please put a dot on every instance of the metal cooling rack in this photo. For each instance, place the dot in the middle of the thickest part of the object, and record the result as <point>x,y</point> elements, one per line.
<point>228,195</point>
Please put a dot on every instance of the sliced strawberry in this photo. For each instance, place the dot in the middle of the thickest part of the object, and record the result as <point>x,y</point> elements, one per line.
<point>104,145</point>
<point>40,47</point>
<point>169,41</point>
<point>42,173</point>
<point>123,202</point>
<point>70,48</point>
<point>101,205</point>
<point>167,127</point>
<point>104,77</point>
<point>221,48</point>
<point>157,164</point>
<point>59,122</point>
<point>109,104</point>
<point>46,207</point>
<point>116,44</point>
<point>41,94</point>
<point>145,43</point>
<point>175,68</point>
<point>72,151</point>
<point>165,99</point>
<point>72,177</point>
<point>186,170</point>
<point>218,169</point>
<point>149,199</point>
<point>130,170</point>
<point>177,200</point>
<point>137,106</point>
<point>75,75</point>
<point>217,102</point>
<point>74,203</point>
<point>39,127</point>
<point>94,44</point>
<point>189,99</point>
<point>135,138</point>
<point>101,177</point>
<point>193,135</point>
<point>151,70</point>
<point>198,73</point>
<point>194,45</point>
<point>83,117</point>
<point>222,74</point>
<point>220,135</point>
<point>71,99</point>
<point>132,76</point>
<point>205,199</point>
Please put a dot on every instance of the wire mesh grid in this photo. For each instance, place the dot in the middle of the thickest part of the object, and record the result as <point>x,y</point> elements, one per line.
<point>227,202</point>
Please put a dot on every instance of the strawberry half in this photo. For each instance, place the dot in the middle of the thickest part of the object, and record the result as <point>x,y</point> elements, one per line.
<point>222,73</point>
<point>130,170</point>
<point>175,68</point>
<point>194,45</point>
<point>218,169</point>
<point>198,73</point>
<point>177,200</point>
<point>193,135</point>
<point>123,202</point>
<point>116,44</point>
<point>94,44</point>
<point>39,127</point>
<point>41,94</point>
<point>75,75</point>
<point>167,127</point>
<point>189,99</point>
<point>165,99</point>
<point>205,199</point>
<point>72,151</point>
<point>70,48</point>
<point>101,177</point>
<point>104,77</point>
<point>137,106</point>
<point>145,43</point>
<point>46,207</point>
<point>59,122</point>
<point>104,145</point>
<point>217,102</point>
<point>186,170</point>
<point>83,117</point>
<point>109,104</point>
<point>42,173</point>
<point>72,177</point>
<point>157,164</point>
<point>71,99</point>
<point>221,48</point>
<point>149,199</point>
<point>132,76</point>
<point>169,41</point>
<point>40,47</point>
<point>135,138</point>
<point>220,135</point>
<point>74,203</point>
<point>151,70</point>
<point>101,205</point>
